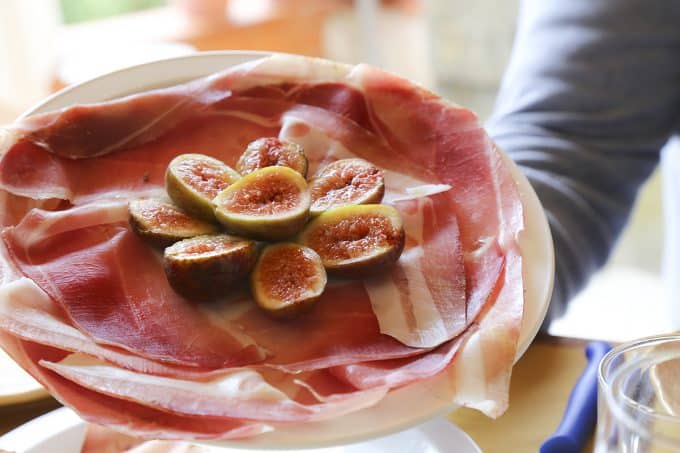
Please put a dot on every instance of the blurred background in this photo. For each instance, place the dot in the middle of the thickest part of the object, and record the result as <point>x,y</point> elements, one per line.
<point>456,48</point>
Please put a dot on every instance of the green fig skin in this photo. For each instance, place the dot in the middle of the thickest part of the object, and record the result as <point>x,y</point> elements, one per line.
<point>269,204</point>
<point>161,224</point>
<point>193,180</point>
<point>346,182</point>
<point>288,280</point>
<point>207,267</point>
<point>356,241</point>
<point>270,151</point>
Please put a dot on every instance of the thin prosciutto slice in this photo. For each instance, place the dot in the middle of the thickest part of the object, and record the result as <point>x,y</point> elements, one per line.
<point>111,286</point>
<point>121,415</point>
<point>29,170</point>
<point>399,372</point>
<point>28,313</point>
<point>84,299</point>
<point>448,142</point>
<point>481,378</point>
<point>88,253</point>
<point>121,123</point>
<point>419,128</point>
<point>374,114</point>
<point>239,394</point>
<point>422,299</point>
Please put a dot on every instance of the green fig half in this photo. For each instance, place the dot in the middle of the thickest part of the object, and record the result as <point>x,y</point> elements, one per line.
<point>193,180</point>
<point>207,267</point>
<point>162,224</point>
<point>288,279</point>
<point>356,241</point>
<point>346,182</point>
<point>270,204</point>
<point>270,151</point>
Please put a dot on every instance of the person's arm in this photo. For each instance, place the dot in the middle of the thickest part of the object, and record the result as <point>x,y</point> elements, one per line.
<point>591,94</point>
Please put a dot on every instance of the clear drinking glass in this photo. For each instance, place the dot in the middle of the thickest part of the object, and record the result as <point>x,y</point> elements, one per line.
<point>639,397</point>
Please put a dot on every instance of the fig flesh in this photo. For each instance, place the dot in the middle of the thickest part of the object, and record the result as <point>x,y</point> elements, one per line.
<point>356,241</point>
<point>270,151</point>
<point>288,279</point>
<point>162,224</point>
<point>193,180</point>
<point>271,203</point>
<point>346,182</point>
<point>206,267</point>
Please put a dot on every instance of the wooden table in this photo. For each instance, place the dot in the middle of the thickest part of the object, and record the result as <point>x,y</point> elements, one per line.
<point>541,384</point>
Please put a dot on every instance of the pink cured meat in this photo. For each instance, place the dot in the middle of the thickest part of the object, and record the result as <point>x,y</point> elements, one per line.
<point>29,170</point>
<point>123,416</point>
<point>480,373</point>
<point>87,253</point>
<point>109,284</point>
<point>427,147</point>
<point>264,111</point>
<point>496,341</point>
<point>399,372</point>
<point>428,281</point>
<point>449,142</point>
<point>342,329</point>
<point>238,394</point>
<point>28,313</point>
<point>490,218</point>
<point>121,123</point>
<point>339,105</point>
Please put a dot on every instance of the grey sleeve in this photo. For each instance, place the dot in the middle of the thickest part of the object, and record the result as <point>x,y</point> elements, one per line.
<point>591,94</point>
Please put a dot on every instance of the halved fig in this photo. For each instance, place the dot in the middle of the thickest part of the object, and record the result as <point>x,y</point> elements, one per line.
<point>162,224</point>
<point>288,279</point>
<point>193,180</point>
<point>270,151</point>
<point>356,241</point>
<point>271,203</point>
<point>206,267</point>
<point>346,182</point>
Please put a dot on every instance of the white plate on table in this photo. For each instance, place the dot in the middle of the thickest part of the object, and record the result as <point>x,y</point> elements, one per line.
<point>62,431</point>
<point>422,399</point>
<point>16,385</point>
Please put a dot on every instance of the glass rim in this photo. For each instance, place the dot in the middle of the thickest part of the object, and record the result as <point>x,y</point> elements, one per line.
<point>606,378</point>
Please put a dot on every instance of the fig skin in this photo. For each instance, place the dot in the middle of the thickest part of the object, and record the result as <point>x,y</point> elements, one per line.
<point>161,224</point>
<point>277,198</point>
<point>204,268</point>
<point>270,151</point>
<point>356,241</point>
<point>288,279</point>
<point>193,180</point>
<point>346,182</point>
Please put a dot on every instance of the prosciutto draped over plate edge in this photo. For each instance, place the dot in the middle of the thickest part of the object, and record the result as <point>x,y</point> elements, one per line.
<point>486,254</point>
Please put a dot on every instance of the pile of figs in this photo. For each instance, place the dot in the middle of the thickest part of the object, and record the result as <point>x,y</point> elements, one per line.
<point>265,221</point>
